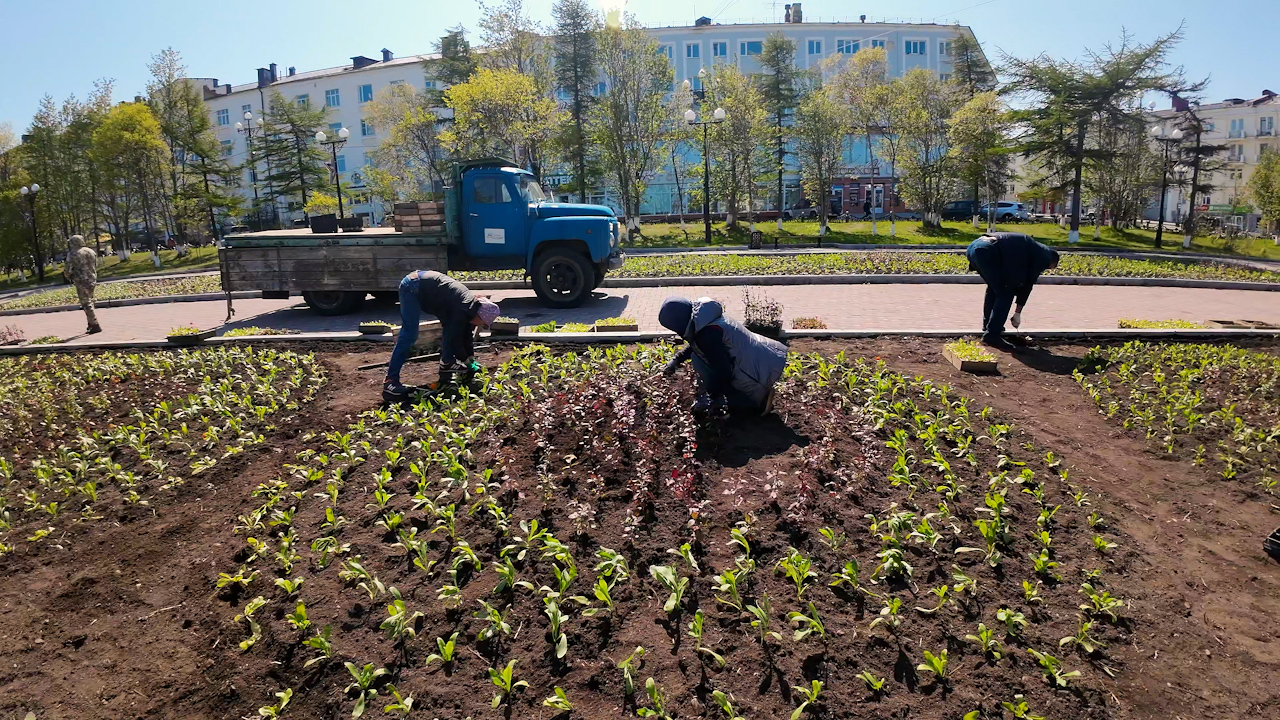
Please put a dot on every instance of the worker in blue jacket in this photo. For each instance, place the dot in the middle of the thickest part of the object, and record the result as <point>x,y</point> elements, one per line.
<point>1010,264</point>
<point>737,367</point>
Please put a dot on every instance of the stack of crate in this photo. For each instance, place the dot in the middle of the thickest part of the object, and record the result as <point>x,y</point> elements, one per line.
<point>416,217</point>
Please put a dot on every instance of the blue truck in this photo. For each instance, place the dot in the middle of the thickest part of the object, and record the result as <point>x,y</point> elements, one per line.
<point>494,216</point>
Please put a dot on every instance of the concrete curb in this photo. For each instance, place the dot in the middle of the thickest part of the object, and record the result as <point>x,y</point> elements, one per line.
<point>161,299</point>
<point>651,336</point>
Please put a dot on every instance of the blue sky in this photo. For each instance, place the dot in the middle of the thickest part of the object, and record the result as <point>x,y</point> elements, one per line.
<point>60,46</point>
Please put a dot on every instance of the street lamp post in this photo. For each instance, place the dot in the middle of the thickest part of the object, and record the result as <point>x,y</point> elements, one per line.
<point>1157,132</point>
<point>246,128</point>
<point>30,194</point>
<point>717,117</point>
<point>334,144</point>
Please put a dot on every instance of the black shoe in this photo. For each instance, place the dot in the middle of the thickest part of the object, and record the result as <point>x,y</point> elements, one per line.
<point>999,343</point>
<point>394,388</point>
<point>1019,340</point>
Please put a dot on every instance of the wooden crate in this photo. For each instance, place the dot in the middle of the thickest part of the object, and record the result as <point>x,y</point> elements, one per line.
<point>978,367</point>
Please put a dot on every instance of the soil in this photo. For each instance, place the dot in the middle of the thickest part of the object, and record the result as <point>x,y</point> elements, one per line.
<point>126,621</point>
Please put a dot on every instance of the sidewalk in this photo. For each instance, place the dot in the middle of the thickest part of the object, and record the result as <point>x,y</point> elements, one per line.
<point>841,307</point>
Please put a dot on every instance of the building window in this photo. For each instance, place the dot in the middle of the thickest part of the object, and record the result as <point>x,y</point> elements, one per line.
<point>877,43</point>
<point>331,98</point>
<point>366,93</point>
<point>598,89</point>
<point>696,83</point>
<point>1266,126</point>
<point>342,163</point>
<point>944,48</point>
<point>666,50</point>
<point>1237,128</point>
<point>815,47</point>
<point>719,49</point>
<point>915,47</point>
<point>303,100</point>
<point>1237,152</point>
<point>693,51</point>
<point>366,128</point>
<point>430,84</point>
<point>226,148</point>
<point>944,77</point>
<point>245,108</point>
<point>224,117</point>
<point>750,47</point>
<point>846,47</point>
<point>335,127</point>
<point>253,175</point>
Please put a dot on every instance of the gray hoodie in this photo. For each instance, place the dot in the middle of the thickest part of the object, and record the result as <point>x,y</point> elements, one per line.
<point>758,362</point>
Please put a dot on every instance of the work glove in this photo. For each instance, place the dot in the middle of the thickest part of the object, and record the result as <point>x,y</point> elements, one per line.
<point>669,370</point>
<point>1016,320</point>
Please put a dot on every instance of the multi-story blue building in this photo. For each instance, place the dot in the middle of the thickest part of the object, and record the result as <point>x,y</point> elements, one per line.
<point>345,90</point>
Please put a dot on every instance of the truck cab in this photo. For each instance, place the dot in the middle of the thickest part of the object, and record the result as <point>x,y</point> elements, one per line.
<point>498,217</point>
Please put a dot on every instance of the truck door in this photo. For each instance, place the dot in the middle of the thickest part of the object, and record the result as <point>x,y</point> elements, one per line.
<point>493,219</point>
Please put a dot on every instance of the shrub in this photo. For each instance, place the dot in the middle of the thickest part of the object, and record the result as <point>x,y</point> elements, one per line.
<point>47,340</point>
<point>607,322</point>
<point>184,330</point>
<point>967,350</point>
<point>808,323</point>
<point>11,334</point>
<point>1132,323</point>
<point>546,327</point>
<point>255,330</point>
<point>761,314</point>
<point>574,328</point>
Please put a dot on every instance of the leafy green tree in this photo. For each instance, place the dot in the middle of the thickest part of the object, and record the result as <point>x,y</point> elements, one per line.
<point>412,156</point>
<point>874,113</point>
<point>455,64</point>
<point>978,140</point>
<point>1129,174</point>
<point>498,112</point>
<point>629,121</point>
<point>1203,159</point>
<point>1067,98</point>
<point>929,170</point>
<point>296,164</point>
<point>130,149</point>
<point>1264,187</point>
<point>739,152</point>
<point>576,26</point>
<point>970,71</point>
<point>821,123</point>
<point>780,86</point>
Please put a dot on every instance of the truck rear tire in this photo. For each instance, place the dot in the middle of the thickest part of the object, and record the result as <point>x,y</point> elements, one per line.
<point>334,302</point>
<point>562,278</point>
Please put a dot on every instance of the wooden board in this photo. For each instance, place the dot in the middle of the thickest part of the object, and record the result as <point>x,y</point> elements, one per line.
<point>980,367</point>
<point>347,268</point>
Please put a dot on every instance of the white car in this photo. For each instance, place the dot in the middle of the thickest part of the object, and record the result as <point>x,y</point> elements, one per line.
<point>1006,211</point>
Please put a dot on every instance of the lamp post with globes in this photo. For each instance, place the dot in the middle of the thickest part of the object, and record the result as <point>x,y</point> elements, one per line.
<point>29,192</point>
<point>334,144</point>
<point>246,128</point>
<point>717,117</point>
<point>1174,138</point>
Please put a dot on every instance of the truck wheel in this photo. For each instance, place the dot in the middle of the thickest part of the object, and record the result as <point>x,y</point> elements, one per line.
<point>562,278</point>
<point>334,302</point>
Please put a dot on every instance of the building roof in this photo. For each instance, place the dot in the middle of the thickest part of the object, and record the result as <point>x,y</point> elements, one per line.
<point>1266,98</point>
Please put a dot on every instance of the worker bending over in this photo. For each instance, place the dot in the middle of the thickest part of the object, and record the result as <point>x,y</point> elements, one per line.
<point>459,312</point>
<point>737,367</point>
<point>1010,264</point>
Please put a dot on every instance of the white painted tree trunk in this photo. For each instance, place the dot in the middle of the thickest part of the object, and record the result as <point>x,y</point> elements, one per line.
<point>155,258</point>
<point>1073,237</point>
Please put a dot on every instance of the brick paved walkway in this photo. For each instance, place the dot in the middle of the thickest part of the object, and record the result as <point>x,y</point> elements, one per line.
<point>843,307</point>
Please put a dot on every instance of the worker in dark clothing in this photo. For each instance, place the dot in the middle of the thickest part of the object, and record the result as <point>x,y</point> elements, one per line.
<point>866,208</point>
<point>737,367</point>
<point>1010,263</point>
<point>459,312</point>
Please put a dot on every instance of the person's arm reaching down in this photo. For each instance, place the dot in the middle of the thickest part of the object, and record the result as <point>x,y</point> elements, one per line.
<point>681,356</point>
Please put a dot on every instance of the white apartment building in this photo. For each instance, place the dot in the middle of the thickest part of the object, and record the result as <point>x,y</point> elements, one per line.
<point>346,89</point>
<point>1247,128</point>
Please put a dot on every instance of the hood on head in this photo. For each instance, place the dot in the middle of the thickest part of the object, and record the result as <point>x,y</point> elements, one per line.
<point>675,314</point>
<point>76,242</point>
<point>705,312</point>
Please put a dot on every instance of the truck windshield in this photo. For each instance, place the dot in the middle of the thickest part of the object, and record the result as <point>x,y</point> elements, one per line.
<point>531,190</point>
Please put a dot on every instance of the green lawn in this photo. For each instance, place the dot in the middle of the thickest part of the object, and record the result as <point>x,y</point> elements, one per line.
<point>909,232</point>
<point>197,259</point>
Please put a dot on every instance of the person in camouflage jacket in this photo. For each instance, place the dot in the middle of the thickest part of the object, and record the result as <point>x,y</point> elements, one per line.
<point>81,270</point>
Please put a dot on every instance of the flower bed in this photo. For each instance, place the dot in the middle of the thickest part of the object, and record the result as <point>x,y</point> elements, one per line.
<point>194,285</point>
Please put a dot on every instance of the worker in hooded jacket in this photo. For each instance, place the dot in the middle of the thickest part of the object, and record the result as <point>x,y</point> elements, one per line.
<point>1010,264</point>
<point>81,270</point>
<point>737,367</point>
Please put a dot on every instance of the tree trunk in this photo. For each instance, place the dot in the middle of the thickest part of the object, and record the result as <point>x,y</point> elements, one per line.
<point>1076,183</point>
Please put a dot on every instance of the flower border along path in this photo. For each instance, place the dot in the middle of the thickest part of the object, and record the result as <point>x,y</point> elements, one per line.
<point>742,269</point>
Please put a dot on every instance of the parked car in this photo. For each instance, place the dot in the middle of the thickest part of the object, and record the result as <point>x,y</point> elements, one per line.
<point>1008,211</point>
<point>961,210</point>
<point>804,210</point>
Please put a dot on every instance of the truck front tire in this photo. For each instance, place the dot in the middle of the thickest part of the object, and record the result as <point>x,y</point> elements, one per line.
<point>562,278</point>
<point>334,302</point>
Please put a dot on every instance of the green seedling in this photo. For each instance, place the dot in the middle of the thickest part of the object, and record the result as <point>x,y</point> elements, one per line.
<point>298,618</point>
<point>450,594</point>
<point>630,663</point>
<point>559,641</point>
<point>532,539</point>
<point>506,576</point>
<point>963,583</point>
<point>321,643</point>
<point>727,582</point>
<point>1043,566</point>
<point>695,632</point>
<point>1100,603</point>
<point>399,624</point>
<point>1014,621</point>
<point>1019,709</point>
<point>1052,668</point>
<point>612,565</point>
<point>497,627</point>
<point>832,539</point>
<point>1102,545</point>
<point>656,698</point>
<point>239,578</point>
<point>726,706</point>
<point>936,664</point>
<point>893,563</point>
<point>1082,639</point>
<point>943,593</point>
<point>848,576</point>
<point>986,639</point>
<point>670,578</point>
<point>271,712</point>
<point>290,586</point>
<point>762,613</point>
<point>363,685</point>
<point>446,650</point>
<point>810,695</point>
<point>890,616</point>
<point>255,630</point>
<point>559,701</point>
<point>1032,592</point>
<point>797,568</point>
<point>603,594</point>
<point>403,704</point>
<point>875,685</point>
<point>686,553</point>
<point>807,624</point>
<point>505,681</point>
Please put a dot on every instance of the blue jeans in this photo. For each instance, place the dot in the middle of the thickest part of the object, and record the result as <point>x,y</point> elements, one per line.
<point>998,301</point>
<point>410,316</point>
